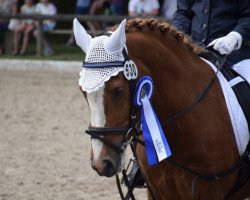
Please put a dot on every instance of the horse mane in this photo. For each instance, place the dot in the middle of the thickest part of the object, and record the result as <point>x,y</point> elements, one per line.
<point>156,26</point>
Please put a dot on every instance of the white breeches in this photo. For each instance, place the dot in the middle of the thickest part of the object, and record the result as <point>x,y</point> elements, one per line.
<point>243,68</point>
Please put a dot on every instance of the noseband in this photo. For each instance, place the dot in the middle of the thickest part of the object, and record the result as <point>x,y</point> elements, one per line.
<point>127,131</point>
<point>99,133</point>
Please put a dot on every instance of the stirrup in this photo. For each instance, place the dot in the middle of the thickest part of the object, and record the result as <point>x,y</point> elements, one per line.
<point>134,177</point>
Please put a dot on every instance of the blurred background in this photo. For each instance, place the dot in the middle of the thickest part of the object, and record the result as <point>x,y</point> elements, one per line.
<point>44,153</point>
<point>23,36</point>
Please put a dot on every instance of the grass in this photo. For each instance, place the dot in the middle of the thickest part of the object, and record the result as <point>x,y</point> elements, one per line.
<point>62,52</point>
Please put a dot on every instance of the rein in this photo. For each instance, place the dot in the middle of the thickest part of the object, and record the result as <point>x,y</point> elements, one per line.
<point>219,64</point>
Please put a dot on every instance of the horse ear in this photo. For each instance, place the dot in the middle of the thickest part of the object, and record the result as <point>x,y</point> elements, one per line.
<point>116,42</point>
<point>82,37</point>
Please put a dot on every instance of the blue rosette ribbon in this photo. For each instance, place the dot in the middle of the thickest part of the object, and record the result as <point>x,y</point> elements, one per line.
<point>156,144</point>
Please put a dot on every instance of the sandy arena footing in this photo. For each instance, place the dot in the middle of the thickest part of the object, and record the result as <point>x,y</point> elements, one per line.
<point>44,152</point>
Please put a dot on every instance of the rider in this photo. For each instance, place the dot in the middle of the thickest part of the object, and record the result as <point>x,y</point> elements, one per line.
<point>223,25</point>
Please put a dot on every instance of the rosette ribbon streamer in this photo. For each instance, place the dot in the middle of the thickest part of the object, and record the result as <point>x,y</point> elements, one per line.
<point>156,144</point>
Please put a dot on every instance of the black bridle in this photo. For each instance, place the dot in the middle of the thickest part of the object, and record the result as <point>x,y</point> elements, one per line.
<point>128,131</point>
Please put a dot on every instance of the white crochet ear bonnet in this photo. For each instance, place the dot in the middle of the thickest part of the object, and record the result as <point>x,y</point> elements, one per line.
<point>91,79</point>
<point>102,49</point>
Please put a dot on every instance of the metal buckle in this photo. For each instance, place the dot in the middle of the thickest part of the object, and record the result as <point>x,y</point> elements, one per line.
<point>131,132</point>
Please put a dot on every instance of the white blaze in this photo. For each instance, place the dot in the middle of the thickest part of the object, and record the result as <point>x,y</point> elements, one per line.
<point>98,118</point>
<point>99,49</point>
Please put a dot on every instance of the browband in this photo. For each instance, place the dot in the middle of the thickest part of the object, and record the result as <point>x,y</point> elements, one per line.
<point>103,64</point>
<point>107,64</point>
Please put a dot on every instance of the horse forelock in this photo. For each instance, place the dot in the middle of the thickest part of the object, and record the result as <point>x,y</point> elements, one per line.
<point>154,26</point>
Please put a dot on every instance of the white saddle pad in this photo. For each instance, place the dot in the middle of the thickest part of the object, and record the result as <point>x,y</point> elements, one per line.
<point>239,123</point>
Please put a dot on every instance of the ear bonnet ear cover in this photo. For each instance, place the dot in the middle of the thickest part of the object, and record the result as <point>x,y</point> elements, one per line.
<point>103,49</point>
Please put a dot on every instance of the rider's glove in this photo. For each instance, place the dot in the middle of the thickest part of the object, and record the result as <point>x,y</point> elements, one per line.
<point>225,45</point>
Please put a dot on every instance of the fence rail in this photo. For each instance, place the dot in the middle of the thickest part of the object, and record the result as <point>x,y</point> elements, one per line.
<point>63,17</point>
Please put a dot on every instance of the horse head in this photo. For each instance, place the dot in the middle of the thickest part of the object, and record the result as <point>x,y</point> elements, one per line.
<point>107,93</point>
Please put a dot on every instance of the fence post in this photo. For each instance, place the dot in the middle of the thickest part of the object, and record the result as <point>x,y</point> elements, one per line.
<point>8,38</point>
<point>39,44</point>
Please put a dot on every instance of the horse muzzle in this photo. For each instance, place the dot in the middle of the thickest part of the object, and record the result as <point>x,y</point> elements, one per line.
<point>108,163</point>
<point>105,167</point>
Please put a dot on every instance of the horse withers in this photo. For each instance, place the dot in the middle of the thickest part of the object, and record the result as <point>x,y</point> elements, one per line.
<point>200,139</point>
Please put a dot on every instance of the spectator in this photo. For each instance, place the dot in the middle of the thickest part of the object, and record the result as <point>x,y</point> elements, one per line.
<point>98,7</point>
<point>224,26</point>
<point>143,8</point>
<point>46,8</point>
<point>168,9</point>
<point>82,8</point>
<point>116,7</point>
<point>14,22</point>
<point>5,8</point>
<point>113,7</point>
<point>106,7</point>
<point>25,27</point>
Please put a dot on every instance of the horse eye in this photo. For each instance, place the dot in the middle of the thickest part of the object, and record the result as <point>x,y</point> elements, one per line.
<point>118,92</point>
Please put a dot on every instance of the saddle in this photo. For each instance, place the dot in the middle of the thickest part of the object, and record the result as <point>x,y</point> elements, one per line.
<point>238,83</point>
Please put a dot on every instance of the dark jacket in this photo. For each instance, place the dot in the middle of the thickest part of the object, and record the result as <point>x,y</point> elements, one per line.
<point>206,20</point>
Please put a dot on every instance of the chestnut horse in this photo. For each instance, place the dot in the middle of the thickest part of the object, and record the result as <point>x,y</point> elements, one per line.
<point>201,139</point>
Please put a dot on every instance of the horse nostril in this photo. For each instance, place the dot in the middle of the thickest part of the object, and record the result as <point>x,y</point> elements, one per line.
<point>108,168</point>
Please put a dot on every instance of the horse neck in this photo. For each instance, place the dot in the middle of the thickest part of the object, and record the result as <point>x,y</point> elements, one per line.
<point>177,72</point>
<point>179,75</point>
